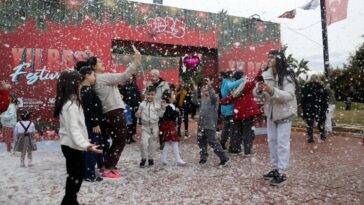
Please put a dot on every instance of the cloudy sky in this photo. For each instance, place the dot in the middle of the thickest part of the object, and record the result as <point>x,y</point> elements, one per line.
<point>303,33</point>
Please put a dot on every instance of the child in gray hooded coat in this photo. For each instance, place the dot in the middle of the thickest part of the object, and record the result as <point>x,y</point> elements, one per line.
<point>207,124</point>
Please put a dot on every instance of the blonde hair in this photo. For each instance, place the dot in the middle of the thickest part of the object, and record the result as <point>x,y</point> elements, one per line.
<point>314,78</point>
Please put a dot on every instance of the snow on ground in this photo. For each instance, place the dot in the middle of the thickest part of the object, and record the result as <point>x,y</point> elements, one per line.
<point>329,173</point>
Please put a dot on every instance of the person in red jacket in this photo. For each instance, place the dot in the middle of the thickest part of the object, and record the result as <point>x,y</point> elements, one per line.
<point>245,111</point>
<point>4,96</point>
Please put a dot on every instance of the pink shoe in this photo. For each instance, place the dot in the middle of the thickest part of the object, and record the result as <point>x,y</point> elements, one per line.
<point>110,174</point>
<point>116,172</point>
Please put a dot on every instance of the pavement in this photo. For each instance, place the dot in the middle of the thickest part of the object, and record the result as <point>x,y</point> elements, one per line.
<point>331,172</point>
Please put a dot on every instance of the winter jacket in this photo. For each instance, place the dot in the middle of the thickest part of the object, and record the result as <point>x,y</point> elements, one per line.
<point>314,100</point>
<point>208,111</point>
<point>128,115</point>
<point>8,118</point>
<point>160,87</point>
<point>91,105</point>
<point>131,94</point>
<point>243,101</point>
<point>331,93</point>
<point>73,131</point>
<point>226,87</point>
<point>184,97</point>
<point>282,105</point>
<point>107,89</point>
<point>150,112</point>
<point>4,100</point>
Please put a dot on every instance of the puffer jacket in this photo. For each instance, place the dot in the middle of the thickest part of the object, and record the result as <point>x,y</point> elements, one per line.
<point>282,105</point>
<point>245,106</point>
<point>150,112</point>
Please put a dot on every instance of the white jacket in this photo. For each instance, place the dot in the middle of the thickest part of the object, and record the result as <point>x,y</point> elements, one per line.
<point>282,105</point>
<point>107,90</point>
<point>150,112</point>
<point>73,131</point>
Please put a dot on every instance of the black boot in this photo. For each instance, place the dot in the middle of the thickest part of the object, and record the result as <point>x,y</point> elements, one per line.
<point>150,162</point>
<point>142,163</point>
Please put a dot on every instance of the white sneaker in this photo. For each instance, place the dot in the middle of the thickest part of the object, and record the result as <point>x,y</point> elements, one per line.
<point>164,163</point>
<point>181,163</point>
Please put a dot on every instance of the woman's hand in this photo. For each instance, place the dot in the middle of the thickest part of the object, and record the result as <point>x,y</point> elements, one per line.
<point>96,129</point>
<point>265,87</point>
<point>137,56</point>
<point>93,148</point>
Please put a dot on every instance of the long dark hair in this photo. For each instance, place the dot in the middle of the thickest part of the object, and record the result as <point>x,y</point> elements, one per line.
<point>80,64</point>
<point>67,89</point>
<point>166,96</point>
<point>282,68</point>
<point>85,70</point>
<point>92,61</point>
<point>14,99</point>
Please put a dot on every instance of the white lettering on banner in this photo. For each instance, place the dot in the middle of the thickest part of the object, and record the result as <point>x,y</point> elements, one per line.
<point>247,67</point>
<point>33,77</point>
<point>169,25</point>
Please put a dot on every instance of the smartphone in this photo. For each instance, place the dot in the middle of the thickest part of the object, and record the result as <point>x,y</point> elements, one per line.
<point>260,79</point>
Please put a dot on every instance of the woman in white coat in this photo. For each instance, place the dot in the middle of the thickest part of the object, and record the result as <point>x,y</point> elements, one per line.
<point>280,108</point>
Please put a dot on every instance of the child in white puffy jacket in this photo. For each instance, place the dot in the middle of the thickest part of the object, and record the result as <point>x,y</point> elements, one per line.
<point>149,111</point>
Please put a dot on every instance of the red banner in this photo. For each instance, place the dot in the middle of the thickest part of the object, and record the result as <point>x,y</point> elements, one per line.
<point>336,10</point>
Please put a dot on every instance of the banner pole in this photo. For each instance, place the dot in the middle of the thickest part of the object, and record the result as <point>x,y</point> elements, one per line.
<point>325,40</point>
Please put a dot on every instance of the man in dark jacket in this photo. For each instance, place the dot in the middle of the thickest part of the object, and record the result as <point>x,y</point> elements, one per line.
<point>314,104</point>
<point>131,96</point>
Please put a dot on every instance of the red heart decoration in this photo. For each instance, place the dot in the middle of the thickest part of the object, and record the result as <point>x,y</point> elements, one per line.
<point>191,63</point>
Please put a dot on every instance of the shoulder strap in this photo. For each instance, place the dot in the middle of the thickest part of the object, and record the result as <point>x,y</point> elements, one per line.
<point>25,128</point>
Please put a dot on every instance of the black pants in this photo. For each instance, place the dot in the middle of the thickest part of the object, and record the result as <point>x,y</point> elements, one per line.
<point>243,132</point>
<point>132,127</point>
<point>75,171</point>
<point>118,132</point>
<point>183,117</point>
<point>320,124</point>
<point>227,131</point>
<point>205,137</point>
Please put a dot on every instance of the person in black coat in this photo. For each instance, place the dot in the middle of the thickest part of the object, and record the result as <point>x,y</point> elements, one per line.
<point>132,97</point>
<point>314,102</point>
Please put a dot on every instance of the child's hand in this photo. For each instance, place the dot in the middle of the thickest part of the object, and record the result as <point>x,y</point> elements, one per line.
<point>96,129</point>
<point>137,114</point>
<point>177,110</point>
<point>94,148</point>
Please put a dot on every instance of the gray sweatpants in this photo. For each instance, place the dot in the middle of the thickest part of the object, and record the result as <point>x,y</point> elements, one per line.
<point>149,137</point>
<point>209,136</point>
<point>279,136</point>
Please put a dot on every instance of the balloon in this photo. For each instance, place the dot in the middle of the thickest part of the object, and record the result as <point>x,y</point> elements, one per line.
<point>191,63</point>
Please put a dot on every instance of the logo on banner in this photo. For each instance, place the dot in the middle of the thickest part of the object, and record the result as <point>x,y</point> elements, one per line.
<point>168,25</point>
<point>29,62</point>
